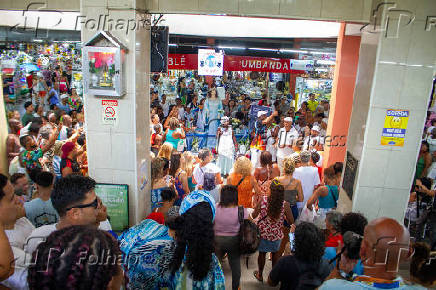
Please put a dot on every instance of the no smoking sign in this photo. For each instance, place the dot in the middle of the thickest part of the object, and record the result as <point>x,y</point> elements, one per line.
<point>109,112</point>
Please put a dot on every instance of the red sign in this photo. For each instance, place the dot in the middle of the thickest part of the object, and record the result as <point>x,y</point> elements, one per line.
<point>234,63</point>
<point>183,61</point>
<point>263,64</point>
<point>109,112</point>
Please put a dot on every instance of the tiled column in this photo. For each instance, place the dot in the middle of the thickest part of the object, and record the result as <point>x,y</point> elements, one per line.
<point>395,71</point>
<point>117,152</point>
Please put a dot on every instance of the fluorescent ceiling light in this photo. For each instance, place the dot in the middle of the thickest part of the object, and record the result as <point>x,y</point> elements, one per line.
<point>262,49</point>
<point>231,47</point>
<point>173,44</point>
<point>321,52</point>
<point>326,62</point>
<point>37,40</point>
<point>293,50</point>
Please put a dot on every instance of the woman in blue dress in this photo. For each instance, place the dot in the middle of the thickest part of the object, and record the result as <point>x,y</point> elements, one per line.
<point>214,108</point>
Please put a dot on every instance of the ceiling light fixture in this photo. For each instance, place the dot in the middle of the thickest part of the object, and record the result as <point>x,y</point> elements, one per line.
<point>293,50</point>
<point>230,47</point>
<point>263,49</point>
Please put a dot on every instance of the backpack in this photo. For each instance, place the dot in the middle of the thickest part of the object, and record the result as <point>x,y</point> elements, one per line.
<point>309,278</point>
<point>249,234</point>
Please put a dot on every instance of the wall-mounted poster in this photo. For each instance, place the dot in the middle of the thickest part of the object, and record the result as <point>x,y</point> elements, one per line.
<point>394,129</point>
<point>116,198</point>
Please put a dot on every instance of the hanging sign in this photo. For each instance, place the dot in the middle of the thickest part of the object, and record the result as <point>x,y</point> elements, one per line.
<point>109,112</point>
<point>261,64</point>
<point>299,64</point>
<point>210,63</point>
<point>183,61</point>
<point>394,130</point>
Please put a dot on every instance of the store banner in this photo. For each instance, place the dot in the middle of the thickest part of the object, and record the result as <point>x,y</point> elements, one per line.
<point>210,63</point>
<point>261,64</point>
<point>235,63</point>
<point>394,130</point>
<point>183,61</point>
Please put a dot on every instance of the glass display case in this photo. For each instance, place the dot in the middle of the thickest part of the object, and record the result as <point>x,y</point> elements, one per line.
<point>103,66</point>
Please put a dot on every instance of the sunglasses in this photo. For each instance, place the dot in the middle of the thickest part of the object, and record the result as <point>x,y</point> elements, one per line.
<point>93,204</point>
<point>276,181</point>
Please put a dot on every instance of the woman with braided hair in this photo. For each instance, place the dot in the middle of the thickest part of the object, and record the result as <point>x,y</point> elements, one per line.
<point>194,264</point>
<point>77,257</point>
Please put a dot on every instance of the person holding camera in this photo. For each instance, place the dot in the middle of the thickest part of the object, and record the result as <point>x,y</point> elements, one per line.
<point>346,234</point>
<point>385,245</point>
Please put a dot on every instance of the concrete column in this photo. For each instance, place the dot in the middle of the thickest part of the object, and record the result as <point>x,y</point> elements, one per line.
<point>396,67</point>
<point>117,153</point>
<point>4,169</point>
<point>341,103</point>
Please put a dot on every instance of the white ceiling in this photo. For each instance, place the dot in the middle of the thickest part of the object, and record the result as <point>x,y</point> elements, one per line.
<point>235,26</point>
<point>188,24</point>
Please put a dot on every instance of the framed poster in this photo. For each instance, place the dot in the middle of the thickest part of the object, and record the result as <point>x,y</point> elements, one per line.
<point>116,198</point>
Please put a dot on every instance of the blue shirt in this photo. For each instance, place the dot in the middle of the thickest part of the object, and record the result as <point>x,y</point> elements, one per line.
<point>328,201</point>
<point>338,284</point>
<point>65,108</point>
<point>40,212</point>
<point>330,253</point>
<point>54,100</point>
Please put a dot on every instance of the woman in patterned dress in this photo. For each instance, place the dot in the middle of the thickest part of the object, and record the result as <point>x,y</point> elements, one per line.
<point>272,212</point>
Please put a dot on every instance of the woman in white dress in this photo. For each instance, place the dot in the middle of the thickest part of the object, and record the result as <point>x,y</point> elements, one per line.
<point>227,146</point>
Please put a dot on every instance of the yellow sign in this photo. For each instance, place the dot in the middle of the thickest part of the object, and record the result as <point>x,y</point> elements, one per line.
<point>394,130</point>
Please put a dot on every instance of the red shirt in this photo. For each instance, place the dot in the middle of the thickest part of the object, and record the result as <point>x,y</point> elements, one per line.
<point>333,241</point>
<point>157,216</point>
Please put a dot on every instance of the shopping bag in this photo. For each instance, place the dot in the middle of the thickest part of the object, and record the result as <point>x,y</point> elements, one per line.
<point>307,215</point>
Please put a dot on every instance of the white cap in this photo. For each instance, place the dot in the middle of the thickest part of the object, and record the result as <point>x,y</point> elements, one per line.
<point>287,119</point>
<point>64,96</point>
<point>25,130</point>
<point>260,113</point>
<point>316,128</point>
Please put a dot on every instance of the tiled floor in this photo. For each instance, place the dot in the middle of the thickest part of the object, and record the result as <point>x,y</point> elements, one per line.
<point>247,279</point>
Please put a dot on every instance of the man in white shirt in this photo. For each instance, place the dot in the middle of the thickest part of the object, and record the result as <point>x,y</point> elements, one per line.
<point>314,141</point>
<point>165,105</point>
<point>75,200</point>
<point>308,175</point>
<point>207,175</point>
<point>285,140</point>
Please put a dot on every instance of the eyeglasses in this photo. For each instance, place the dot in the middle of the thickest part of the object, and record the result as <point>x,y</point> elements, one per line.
<point>93,204</point>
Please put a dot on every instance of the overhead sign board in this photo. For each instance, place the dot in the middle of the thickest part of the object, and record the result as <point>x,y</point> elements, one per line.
<point>210,63</point>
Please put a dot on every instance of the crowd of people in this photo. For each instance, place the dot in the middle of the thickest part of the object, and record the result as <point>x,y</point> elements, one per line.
<point>237,125</point>
<point>55,231</point>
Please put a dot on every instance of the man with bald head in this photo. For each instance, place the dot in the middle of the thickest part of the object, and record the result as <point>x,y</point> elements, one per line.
<point>67,122</point>
<point>385,245</point>
<point>13,140</point>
